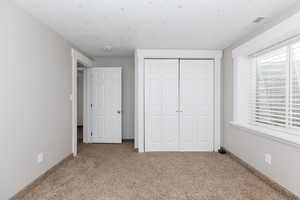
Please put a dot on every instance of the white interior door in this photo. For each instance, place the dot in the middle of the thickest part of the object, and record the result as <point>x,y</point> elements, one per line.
<point>161,104</point>
<point>196,105</point>
<point>106,101</point>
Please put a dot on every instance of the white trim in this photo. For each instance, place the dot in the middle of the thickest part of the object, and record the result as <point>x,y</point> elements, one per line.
<point>108,67</point>
<point>86,116</point>
<point>217,106</point>
<point>141,54</point>
<point>77,57</point>
<point>82,58</point>
<point>136,100</point>
<point>276,135</point>
<point>178,53</point>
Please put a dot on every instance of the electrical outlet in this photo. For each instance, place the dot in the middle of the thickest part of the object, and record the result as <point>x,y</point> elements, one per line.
<point>40,157</point>
<point>268,158</point>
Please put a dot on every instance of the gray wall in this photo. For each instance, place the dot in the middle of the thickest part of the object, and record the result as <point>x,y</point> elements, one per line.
<point>127,64</point>
<point>35,109</point>
<point>80,96</point>
<point>251,148</point>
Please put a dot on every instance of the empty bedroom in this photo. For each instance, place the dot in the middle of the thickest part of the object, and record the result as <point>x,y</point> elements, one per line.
<point>150,100</point>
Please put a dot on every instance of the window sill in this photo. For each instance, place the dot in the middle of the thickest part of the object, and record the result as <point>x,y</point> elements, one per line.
<point>275,135</point>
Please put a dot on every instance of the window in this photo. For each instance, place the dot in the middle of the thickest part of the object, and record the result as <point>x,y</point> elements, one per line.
<point>275,95</point>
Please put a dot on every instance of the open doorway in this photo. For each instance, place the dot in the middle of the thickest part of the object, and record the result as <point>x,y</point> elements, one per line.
<point>79,106</point>
<point>80,102</point>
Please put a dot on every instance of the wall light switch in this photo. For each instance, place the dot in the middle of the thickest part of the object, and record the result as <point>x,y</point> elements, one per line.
<point>40,157</point>
<point>268,158</point>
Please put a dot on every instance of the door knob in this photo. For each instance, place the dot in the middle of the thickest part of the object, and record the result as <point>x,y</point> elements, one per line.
<point>119,111</point>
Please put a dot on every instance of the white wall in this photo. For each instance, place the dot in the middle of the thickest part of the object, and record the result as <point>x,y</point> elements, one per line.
<point>35,109</point>
<point>127,64</point>
<point>251,148</point>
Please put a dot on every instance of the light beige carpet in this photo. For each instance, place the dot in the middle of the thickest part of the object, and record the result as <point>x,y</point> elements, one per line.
<point>115,172</point>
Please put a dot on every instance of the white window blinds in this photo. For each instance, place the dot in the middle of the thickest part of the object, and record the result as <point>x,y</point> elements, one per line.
<point>275,96</point>
<point>295,86</point>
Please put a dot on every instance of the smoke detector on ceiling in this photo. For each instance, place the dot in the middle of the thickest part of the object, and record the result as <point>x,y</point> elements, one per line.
<point>258,20</point>
<point>108,48</point>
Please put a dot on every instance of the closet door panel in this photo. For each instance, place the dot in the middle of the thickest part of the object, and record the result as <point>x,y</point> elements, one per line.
<point>196,105</point>
<point>161,104</point>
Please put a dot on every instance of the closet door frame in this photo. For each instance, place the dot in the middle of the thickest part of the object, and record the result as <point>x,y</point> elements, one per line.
<point>141,55</point>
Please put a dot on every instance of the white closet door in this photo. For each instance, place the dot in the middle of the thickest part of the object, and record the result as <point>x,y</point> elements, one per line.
<point>161,105</point>
<point>106,105</point>
<point>196,105</point>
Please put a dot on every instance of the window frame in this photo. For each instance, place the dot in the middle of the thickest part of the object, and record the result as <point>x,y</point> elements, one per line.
<point>280,34</point>
<point>288,128</point>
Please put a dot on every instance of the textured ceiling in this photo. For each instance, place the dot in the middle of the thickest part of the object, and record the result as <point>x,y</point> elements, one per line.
<point>124,25</point>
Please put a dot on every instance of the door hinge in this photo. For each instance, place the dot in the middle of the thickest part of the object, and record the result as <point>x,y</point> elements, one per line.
<point>91,105</point>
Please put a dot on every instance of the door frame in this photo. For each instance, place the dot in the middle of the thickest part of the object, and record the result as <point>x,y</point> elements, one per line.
<point>78,57</point>
<point>139,117</point>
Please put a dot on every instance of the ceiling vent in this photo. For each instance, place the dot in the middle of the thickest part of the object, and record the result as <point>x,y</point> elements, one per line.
<point>108,48</point>
<point>259,19</point>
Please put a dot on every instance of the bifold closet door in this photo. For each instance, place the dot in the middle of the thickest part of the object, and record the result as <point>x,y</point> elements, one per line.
<point>196,105</point>
<point>161,105</point>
